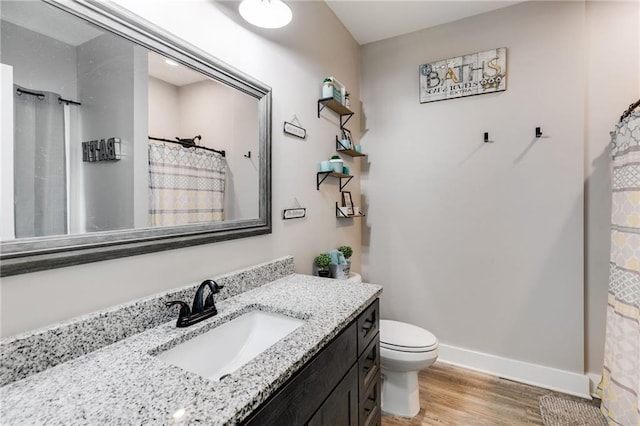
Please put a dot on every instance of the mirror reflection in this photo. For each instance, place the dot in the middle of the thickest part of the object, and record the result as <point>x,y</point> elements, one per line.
<point>107,135</point>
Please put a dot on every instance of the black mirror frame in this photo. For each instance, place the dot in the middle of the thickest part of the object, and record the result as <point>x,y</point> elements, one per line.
<point>42,253</point>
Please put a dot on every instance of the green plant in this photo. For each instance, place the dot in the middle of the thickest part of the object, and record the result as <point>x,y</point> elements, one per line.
<point>346,251</point>
<point>322,261</point>
<point>335,157</point>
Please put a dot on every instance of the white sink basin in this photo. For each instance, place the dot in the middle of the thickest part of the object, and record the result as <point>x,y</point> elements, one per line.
<point>226,348</point>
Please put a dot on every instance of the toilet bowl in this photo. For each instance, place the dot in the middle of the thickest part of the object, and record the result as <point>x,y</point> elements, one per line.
<point>405,349</point>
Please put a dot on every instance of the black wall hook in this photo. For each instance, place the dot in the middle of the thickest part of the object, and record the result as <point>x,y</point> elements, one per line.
<point>538,132</point>
<point>486,138</point>
<point>248,154</point>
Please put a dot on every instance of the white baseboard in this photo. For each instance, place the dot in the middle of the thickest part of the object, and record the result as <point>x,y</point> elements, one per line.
<point>532,374</point>
<point>594,380</point>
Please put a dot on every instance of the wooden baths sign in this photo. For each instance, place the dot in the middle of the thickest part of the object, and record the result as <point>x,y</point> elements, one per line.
<point>101,150</point>
<point>475,74</point>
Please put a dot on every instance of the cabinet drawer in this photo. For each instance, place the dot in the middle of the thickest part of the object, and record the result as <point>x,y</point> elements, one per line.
<point>368,326</point>
<point>370,403</point>
<point>369,365</point>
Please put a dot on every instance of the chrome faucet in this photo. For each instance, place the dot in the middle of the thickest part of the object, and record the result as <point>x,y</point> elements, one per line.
<point>203,308</point>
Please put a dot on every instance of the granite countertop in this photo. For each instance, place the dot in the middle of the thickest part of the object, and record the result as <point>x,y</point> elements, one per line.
<point>123,383</point>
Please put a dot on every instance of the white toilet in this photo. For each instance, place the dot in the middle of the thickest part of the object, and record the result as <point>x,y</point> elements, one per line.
<point>405,349</point>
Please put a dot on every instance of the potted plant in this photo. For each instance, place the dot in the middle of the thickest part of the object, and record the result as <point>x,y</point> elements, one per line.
<point>323,261</point>
<point>347,252</point>
<point>336,163</point>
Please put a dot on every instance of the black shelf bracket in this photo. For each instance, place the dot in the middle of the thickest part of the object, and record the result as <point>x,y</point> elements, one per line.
<point>342,124</point>
<point>340,147</point>
<point>320,107</point>
<point>322,176</point>
<point>348,178</point>
<point>341,215</point>
<point>336,107</point>
<point>348,151</point>
<point>319,180</point>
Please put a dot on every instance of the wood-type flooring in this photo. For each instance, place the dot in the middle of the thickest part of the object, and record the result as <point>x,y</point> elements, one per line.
<point>455,396</point>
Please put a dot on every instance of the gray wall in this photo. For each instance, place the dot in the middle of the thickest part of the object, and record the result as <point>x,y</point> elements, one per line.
<point>484,250</point>
<point>108,85</point>
<point>484,244</point>
<point>293,61</point>
<point>140,138</point>
<point>227,119</point>
<point>30,53</point>
<point>164,111</point>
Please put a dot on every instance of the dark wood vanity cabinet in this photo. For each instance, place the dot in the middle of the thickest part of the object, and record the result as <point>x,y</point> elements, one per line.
<point>369,381</point>
<point>339,386</point>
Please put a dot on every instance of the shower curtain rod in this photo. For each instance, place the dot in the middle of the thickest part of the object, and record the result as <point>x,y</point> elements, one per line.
<point>67,101</point>
<point>41,96</point>
<point>189,143</point>
<point>27,92</point>
<point>628,112</point>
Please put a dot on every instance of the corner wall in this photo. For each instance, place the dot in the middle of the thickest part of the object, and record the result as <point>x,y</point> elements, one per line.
<point>293,61</point>
<point>613,83</point>
<point>485,244</point>
<point>107,87</point>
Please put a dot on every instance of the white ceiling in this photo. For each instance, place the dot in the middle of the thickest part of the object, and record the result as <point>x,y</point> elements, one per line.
<point>367,20</point>
<point>176,75</point>
<point>373,20</point>
<point>48,20</point>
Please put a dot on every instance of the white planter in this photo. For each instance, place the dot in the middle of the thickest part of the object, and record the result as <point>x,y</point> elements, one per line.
<point>327,90</point>
<point>337,164</point>
<point>340,272</point>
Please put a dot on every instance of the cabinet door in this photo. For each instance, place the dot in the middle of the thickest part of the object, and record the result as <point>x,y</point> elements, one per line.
<point>297,400</point>
<point>341,407</point>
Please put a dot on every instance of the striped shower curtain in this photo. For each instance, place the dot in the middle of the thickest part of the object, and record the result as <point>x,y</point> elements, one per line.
<point>620,386</point>
<point>186,185</point>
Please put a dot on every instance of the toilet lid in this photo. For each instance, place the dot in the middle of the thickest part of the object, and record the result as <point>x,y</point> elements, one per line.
<point>405,337</point>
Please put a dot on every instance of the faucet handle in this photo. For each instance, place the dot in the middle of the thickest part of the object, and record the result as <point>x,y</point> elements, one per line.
<point>185,313</point>
<point>184,308</point>
<point>208,302</point>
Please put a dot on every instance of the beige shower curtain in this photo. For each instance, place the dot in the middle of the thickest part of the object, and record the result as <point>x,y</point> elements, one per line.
<point>186,185</point>
<point>620,386</point>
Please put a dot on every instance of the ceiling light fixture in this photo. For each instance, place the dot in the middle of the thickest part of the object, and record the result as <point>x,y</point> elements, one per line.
<point>171,62</point>
<point>266,13</point>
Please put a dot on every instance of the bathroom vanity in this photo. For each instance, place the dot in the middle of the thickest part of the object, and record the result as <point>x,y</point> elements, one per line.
<point>104,368</point>
<point>340,386</point>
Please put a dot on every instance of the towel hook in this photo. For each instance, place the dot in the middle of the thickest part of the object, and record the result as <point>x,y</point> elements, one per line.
<point>538,132</point>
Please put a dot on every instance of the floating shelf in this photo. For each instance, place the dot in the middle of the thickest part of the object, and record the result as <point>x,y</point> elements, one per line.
<point>336,107</point>
<point>322,176</point>
<point>340,215</point>
<point>350,152</point>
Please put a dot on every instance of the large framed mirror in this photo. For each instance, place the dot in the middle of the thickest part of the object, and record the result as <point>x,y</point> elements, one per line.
<point>119,139</point>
